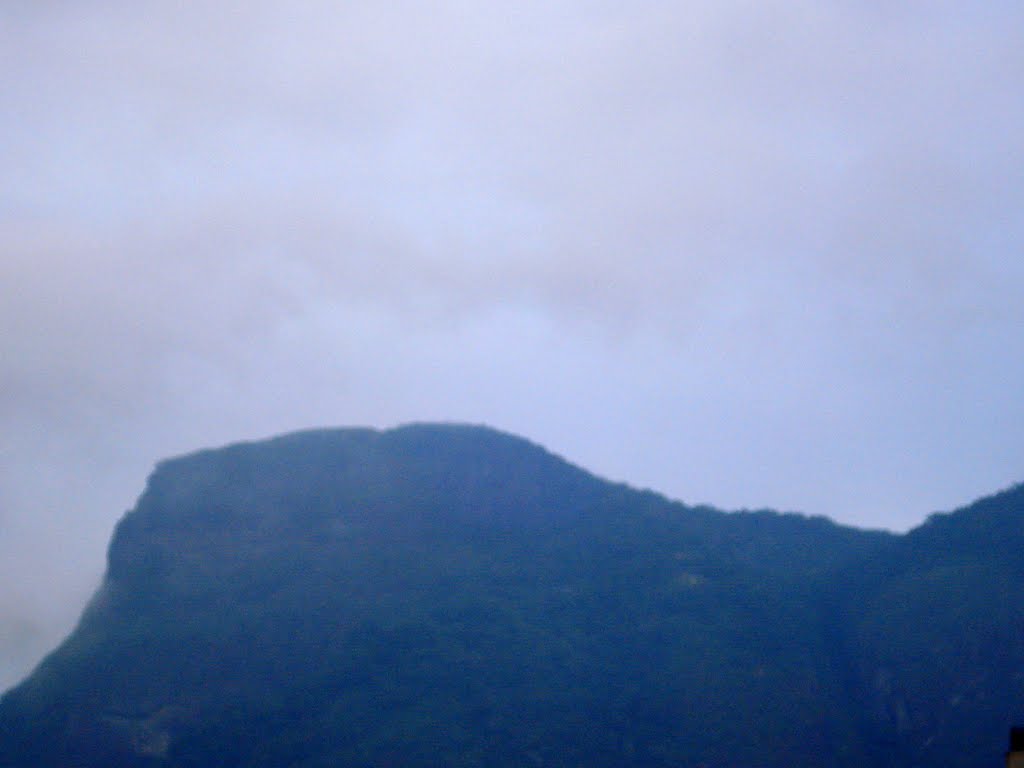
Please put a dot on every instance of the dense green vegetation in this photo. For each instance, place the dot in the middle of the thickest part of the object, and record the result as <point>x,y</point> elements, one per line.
<point>453,596</point>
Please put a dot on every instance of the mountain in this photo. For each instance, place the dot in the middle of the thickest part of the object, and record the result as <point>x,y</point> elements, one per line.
<point>935,636</point>
<point>442,595</point>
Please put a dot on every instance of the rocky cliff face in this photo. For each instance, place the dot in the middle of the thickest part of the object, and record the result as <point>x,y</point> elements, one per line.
<point>447,595</point>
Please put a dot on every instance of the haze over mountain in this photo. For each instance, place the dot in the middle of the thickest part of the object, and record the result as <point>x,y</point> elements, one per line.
<point>443,595</point>
<point>746,254</point>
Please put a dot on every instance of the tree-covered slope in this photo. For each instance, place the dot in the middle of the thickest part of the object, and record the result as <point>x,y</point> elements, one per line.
<point>453,596</point>
<point>934,632</point>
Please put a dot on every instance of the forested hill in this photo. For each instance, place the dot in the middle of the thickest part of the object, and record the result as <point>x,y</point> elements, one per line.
<point>440,595</point>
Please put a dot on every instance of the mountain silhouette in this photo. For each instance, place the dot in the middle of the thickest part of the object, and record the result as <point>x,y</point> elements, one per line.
<point>449,595</point>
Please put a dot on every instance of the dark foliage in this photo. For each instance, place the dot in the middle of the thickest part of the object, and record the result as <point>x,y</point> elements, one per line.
<point>453,596</point>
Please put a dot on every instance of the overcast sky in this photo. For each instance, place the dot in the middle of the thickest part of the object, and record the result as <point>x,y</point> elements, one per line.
<point>746,253</point>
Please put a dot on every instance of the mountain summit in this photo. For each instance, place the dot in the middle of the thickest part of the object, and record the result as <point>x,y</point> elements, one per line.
<point>444,595</point>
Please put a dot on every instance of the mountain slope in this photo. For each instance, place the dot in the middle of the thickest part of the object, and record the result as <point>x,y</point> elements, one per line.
<point>449,595</point>
<point>935,633</point>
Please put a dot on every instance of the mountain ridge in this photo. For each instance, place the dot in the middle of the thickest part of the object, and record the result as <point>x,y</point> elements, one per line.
<point>470,598</point>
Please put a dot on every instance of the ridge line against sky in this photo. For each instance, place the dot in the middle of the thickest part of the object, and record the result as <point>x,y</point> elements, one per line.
<point>744,254</point>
